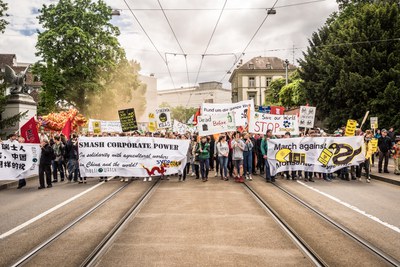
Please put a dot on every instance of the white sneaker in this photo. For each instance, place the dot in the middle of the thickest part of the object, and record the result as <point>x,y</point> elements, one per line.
<point>216,174</point>
<point>150,179</point>
<point>368,180</point>
<point>250,178</point>
<point>193,174</point>
<point>122,179</point>
<point>126,179</point>
<point>145,179</point>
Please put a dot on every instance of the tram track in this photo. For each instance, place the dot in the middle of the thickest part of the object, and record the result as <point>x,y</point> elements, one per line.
<point>27,258</point>
<point>301,242</point>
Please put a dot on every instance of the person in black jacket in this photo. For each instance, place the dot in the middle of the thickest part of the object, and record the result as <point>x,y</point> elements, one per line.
<point>45,162</point>
<point>71,155</point>
<point>384,146</point>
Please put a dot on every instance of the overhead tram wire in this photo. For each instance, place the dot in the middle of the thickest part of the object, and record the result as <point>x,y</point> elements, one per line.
<point>176,38</point>
<point>248,44</point>
<point>226,9</point>
<point>151,41</point>
<point>209,41</point>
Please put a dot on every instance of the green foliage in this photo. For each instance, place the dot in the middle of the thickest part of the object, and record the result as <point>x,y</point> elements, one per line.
<point>3,22</point>
<point>79,51</point>
<point>179,113</point>
<point>291,95</point>
<point>353,64</point>
<point>272,95</point>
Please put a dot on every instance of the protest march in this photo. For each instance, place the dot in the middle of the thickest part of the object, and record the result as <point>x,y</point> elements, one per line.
<point>231,140</point>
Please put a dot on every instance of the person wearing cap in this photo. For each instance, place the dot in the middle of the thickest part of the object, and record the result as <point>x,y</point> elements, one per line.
<point>45,164</point>
<point>384,146</point>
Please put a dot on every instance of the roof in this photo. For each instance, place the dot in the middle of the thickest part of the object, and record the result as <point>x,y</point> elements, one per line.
<point>262,63</point>
<point>7,59</point>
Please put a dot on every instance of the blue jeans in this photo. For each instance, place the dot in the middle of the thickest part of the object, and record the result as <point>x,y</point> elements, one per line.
<point>268,175</point>
<point>204,168</point>
<point>247,162</point>
<point>72,169</point>
<point>223,163</point>
<point>58,166</point>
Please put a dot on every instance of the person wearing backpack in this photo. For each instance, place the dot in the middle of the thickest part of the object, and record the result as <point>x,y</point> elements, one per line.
<point>46,157</point>
<point>58,148</point>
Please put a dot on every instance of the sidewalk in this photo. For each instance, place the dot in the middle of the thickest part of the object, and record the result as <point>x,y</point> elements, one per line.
<point>14,183</point>
<point>385,177</point>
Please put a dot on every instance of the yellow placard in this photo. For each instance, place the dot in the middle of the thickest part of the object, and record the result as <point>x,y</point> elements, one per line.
<point>351,128</point>
<point>96,127</point>
<point>152,116</point>
<point>374,144</point>
<point>152,126</point>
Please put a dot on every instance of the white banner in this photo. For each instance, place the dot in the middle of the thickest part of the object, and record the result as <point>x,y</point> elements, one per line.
<point>163,118</point>
<point>307,116</point>
<point>18,161</point>
<point>315,154</point>
<point>180,128</point>
<point>240,110</point>
<point>131,156</point>
<point>106,126</point>
<point>217,123</point>
<point>279,124</point>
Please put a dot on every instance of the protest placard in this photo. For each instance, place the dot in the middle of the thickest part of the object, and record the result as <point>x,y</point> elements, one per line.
<point>105,126</point>
<point>374,122</point>
<point>180,128</point>
<point>307,116</point>
<point>163,118</point>
<point>127,118</point>
<point>350,128</point>
<point>239,109</point>
<point>315,154</point>
<point>279,124</point>
<point>217,123</point>
<point>18,160</point>
<point>131,156</point>
<point>152,127</point>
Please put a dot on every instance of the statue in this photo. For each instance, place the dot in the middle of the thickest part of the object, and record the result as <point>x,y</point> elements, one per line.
<point>17,82</point>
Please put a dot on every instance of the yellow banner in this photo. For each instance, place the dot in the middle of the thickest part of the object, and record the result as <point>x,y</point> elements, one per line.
<point>351,128</point>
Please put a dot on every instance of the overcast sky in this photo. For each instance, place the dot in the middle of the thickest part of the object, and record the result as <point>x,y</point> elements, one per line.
<point>292,25</point>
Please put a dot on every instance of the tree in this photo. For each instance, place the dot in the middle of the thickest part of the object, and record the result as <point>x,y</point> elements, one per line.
<point>79,51</point>
<point>272,95</point>
<point>180,113</point>
<point>123,90</point>
<point>3,22</point>
<point>352,64</point>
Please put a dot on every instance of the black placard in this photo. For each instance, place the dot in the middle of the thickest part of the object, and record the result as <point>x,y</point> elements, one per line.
<point>128,120</point>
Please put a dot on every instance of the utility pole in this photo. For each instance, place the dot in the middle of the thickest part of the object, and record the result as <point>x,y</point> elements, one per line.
<point>286,67</point>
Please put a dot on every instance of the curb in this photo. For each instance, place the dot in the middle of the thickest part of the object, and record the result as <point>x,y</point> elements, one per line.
<point>15,183</point>
<point>384,179</point>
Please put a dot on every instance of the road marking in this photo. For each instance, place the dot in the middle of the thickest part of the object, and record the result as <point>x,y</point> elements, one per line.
<point>25,224</point>
<point>376,219</point>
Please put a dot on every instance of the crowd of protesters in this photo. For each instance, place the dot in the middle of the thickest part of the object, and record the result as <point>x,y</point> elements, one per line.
<point>233,155</point>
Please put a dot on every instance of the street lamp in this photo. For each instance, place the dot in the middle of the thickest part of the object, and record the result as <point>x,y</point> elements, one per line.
<point>286,67</point>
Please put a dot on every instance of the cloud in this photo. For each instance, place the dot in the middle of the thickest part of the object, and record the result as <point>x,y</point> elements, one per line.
<point>291,25</point>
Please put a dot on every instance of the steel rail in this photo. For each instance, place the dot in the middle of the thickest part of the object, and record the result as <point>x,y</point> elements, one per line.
<point>300,243</point>
<point>104,245</point>
<point>28,256</point>
<point>389,259</point>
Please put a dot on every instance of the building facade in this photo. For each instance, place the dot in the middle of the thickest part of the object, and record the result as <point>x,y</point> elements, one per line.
<point>252,79</point>
<point>151,97</point>
<point>193,97</point>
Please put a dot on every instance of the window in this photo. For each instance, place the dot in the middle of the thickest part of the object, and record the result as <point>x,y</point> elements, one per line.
<point>251,66</point>
<point>252,82</point>
<point>36,78</point>
<point>251,95</point>
<point>268,66</point>
<point>267,81</point>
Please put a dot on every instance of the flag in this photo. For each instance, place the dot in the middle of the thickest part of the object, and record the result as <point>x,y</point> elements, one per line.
<point>67,129</point>
<point>195,116</point>
<point>29,132</point>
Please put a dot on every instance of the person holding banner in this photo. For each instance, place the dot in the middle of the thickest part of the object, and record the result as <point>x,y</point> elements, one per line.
<point>248,156</point>
<point>223,153</point>
<point>384,146</point>
<point>182,177</point>
<point>264,151</point>
<point>203,151</point>
<point>45,164</point>
<point>237,156</point>
<point>58,148</point>
<point>368,154</point>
